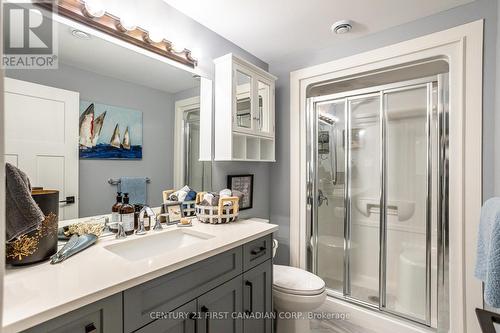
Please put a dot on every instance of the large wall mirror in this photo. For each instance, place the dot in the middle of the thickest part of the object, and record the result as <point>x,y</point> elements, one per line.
<point>107,113</point>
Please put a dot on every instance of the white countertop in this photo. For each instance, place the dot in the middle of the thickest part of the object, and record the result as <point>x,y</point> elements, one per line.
<point>35,294</point>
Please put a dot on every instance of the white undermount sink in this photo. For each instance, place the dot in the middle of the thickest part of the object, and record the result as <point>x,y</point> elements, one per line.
<point>152,245</point>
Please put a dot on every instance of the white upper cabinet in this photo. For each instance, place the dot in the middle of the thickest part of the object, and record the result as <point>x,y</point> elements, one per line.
<point>244,111</point>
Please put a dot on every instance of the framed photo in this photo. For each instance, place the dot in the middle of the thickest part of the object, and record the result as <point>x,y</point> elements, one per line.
<point>172,211</point>
<point>244,184</point>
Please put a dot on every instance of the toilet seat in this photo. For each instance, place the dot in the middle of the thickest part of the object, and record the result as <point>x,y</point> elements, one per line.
<point>296,281</point>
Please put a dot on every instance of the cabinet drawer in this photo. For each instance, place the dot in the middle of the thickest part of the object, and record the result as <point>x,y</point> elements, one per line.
<point>184,321</point>
<point>257,251</point>
<point>104,316</point>
<point>172,290</point>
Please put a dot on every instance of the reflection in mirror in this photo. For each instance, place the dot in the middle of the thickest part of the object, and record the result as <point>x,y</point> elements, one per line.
<point>243,100</point>
<point>197,173</point>
<point>264,107</point>
<point>104,121</point>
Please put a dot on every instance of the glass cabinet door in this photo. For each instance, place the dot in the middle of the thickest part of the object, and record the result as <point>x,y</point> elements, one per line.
<point>244,101</point>
<point>263,117</point>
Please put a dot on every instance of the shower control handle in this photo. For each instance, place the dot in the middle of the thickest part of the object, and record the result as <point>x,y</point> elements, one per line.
<point>322,198</point>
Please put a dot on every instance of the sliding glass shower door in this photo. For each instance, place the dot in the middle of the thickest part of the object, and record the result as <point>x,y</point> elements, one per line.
<point>373,180</point>
<point>331,129</point>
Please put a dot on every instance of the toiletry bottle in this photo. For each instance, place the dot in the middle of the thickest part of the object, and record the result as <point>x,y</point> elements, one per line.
<point>138,208</point>
<point>127,215</point>
<point>115,212</point>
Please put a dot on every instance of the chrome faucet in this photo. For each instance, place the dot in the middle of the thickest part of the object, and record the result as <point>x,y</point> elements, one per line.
<point>121,230</point>
<point>150,214</point>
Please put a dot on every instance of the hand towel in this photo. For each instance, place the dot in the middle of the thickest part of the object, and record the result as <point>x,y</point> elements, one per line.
<point>22,213</point>
<point>180,195</point>
<point>136,189</point>
<point>226,193</point>
<point>190,196</point>
<point>488,251</point>
<point>210,199</point>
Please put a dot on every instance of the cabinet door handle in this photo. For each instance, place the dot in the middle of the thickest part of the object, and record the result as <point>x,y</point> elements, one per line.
<point>249,285</point>
<point>258,251</point>
<point>204,309</point>
<point>68,201</point>
<point>90,328</point>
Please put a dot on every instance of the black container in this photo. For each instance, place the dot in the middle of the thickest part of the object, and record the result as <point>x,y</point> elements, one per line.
<point>137,211</point>
<point>37,245</point>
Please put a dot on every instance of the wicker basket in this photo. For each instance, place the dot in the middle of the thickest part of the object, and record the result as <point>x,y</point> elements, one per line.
<point>188,207</point>
<point>217,214</point>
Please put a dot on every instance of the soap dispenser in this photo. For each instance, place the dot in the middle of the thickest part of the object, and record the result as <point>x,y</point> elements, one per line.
<point>127,215</point>
<point>115,213</point>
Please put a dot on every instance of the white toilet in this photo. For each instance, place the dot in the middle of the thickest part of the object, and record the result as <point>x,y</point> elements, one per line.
<point>296,292</point>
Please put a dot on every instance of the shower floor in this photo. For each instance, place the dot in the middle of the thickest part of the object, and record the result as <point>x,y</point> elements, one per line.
<point>360,293</point>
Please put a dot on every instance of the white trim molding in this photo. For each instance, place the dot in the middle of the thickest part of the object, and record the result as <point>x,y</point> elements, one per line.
<point>181,106</point>
<point>2,172</point>
<point>462,47</point>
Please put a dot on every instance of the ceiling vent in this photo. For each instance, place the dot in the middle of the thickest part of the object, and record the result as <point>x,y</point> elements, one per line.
<point>341,27</point>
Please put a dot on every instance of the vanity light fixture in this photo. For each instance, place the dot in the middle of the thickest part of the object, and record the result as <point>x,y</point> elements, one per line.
<point>195,54</point>
<point>153,37</point>
<point>92,9</point>
<point>92,14</point>
<point>177,47</point>
<point>125,25</point>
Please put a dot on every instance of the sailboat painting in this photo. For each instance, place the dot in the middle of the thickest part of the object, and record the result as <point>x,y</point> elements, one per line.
<point>109,132</point>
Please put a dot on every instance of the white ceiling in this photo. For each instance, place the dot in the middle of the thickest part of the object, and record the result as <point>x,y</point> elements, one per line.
<point>271,29</point>
<point>109,59</point>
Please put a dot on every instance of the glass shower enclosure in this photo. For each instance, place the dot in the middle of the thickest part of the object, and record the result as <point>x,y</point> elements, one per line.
<point>198,174</point>
<point>377,193</point>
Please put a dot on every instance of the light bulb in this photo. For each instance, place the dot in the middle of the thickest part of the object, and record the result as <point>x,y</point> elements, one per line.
<point>126,25</point>
<point>177,47</point>
<point>154,37</point>
<point>93,9</point>
<point>195,54</point>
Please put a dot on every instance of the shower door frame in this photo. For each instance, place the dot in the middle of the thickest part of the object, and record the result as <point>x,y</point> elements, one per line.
<point>462,47</point>
<point>346,97</point>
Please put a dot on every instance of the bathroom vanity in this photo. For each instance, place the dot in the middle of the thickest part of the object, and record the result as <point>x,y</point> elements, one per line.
<point>165,281</point>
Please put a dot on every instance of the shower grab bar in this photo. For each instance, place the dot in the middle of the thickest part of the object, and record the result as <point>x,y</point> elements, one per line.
<point>403,209</point>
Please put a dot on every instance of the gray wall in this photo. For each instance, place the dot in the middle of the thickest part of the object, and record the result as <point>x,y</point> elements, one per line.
<point>280,171</point>
<point>96,195</point>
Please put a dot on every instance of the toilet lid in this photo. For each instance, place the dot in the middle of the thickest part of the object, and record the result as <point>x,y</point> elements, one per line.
<point>292,280</point>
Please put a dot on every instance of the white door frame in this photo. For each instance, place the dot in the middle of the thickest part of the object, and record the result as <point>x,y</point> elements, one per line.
<point>181,106</point>
<point>462,47</point>
<point>2,175</point>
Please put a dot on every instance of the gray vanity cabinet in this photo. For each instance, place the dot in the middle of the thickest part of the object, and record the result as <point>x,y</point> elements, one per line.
<point>182,320</point>
<point>217,308</point>
<point>257,296</point>
<point>170,291</point>
<point>210,296</point>
<point>104,316</point>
